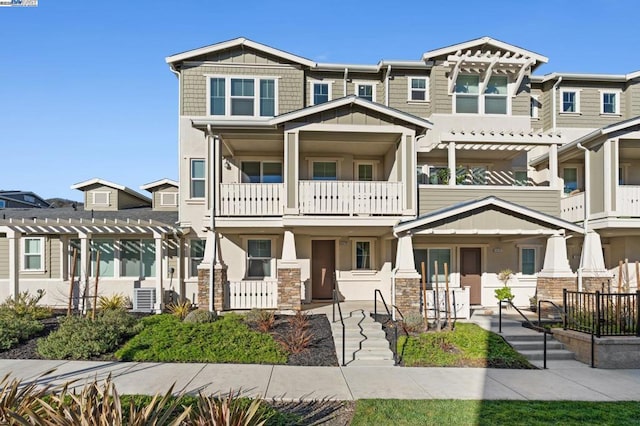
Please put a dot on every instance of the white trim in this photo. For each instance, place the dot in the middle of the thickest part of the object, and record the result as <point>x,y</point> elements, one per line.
<point>534,107</point>
<point>372,253</point>
<point>372,163</point>
<point>273,266</point>
<point>189,259</point>
<point>256,95</point>
<point>373,85</point>
<point>160,182</point>
<point>577,100</point>
<point>481,41</point>
<point>261,160</point>
<point>191,178</point>
<point>481,96</point>
<point>427,95</point>
<point>312,84</point>
<point>536,258</point>
<point>23,254</point>
<point>172,202</point>
<point>618,94</point>
<point>98,181</point>
<point>107,201</point>
<point>337,160</point>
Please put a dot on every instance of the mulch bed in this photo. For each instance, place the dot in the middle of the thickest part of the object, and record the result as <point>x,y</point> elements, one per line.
<point>321,351</point>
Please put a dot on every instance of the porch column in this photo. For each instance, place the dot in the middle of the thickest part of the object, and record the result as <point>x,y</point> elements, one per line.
<point>212,276</point>
<point>556,273</point>
<point>553,166</point>
<point>451,157</point>
<point>14,262</point>
<point>595,275</point>
<point>159,244</point>
<point>289,283</point>
<point>291,172</point>
<point>409,175</point>
<point>216,168</point>
<point>406,289</point>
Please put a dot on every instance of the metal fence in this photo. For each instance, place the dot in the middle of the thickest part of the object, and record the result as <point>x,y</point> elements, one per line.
<point>602,314</point>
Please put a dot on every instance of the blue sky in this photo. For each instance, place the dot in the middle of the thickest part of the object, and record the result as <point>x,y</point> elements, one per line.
<point>85,92</point>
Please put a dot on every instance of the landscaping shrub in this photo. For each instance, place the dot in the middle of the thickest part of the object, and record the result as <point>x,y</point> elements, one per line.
<point>414,322</point>
<point>83,338</point>
<point>15,329</point>
<point>200,316</point>
<point>298,338</point>
<point>114,302</point>
<point>164,338</point>
<point>263,319</point>
<point>26,304</point>
<point>180,309</point>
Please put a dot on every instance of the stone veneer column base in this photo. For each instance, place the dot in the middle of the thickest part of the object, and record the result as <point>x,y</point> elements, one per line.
<point>289,289</point>
<point>593,284</point>
<point>408,295</point>
<point>203,288</point>
<point>550,288</point>
<point>219,283</point>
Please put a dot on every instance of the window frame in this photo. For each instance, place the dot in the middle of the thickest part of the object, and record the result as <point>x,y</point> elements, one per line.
<point>257,95</point>
<point>106,193</point>
<point>372,253</point>
<point>536,265</point>
<point>262,163</point>
<point>618,95</point>
<point>140,245</point>
<point>164,195</point>
<point>311,170</point>
<point>117,253</point>
<point>312,85</point>
<point>411,89</point>
<point>3,204</point>
<point>194,268</point>
<point>534,107</point>
<point>193,179</point>
<point>564,183</point>
<point>576,98</point>
<point>272,258</point>
<point>356,171</point>
<point>24,254</point>
<point>482,96</point>
<point>357,86</point>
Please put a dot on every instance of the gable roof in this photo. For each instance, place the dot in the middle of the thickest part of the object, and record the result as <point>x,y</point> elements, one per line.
<point>478,42</point>
<point>485,203</point>
<point>149,186</point>
<point>97,181</point>
<point>351,100</point>
<point>240,41</point>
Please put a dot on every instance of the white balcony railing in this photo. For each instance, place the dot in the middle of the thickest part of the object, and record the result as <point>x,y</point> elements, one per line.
<point>628,201</point>
<point>572,207</point>
<point>351,197</point>
<point>251,199</point>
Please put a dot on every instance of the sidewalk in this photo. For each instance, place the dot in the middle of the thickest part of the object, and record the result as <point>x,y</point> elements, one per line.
<point>563,381</point>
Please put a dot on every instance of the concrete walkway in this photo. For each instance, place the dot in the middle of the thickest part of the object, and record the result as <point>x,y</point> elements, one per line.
<point>564,380</point>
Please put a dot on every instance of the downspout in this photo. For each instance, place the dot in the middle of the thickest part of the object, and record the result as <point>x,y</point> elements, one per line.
<point>587,207</point>
<point>344,83</point>
<point>212,139</point>
<point>554,90</point>
<point>386,85</point>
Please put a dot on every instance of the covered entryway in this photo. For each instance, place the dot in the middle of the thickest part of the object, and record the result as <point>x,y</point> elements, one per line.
<point>323,266</point>
<point>471,274</point>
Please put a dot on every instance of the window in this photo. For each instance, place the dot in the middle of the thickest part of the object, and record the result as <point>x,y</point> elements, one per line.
<point>197,179</point>
<point>366,91</point>
<point>321,93</point>
<point>325,170</point>
<point>438,175</point>
<point>534,107</point>
<point>196,256</point>
<point>570,101</point>
<point>610,103</point>
<point>363,254</point>
<point>467,89</point>
<point>428,257</point>
<point>261,172</point>
<point>3,204</point>
<point>258,258</point>
<point>243,97</point>
<point>138,258</point>
<point>30,198</point>
<point>418,89</point>
<point>365,172</point>
<point>570,175</point>
<point>495,95</point>
<point>528,261</point>
<point>169,199</point>
<point>33,254</point>
<point>100,198</point>
<point>106,248</point>
<point>520,178</point>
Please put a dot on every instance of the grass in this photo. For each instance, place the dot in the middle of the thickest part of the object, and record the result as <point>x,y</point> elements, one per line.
<point>485,413</point>
<point>164,338</point>
<point>467,346</point>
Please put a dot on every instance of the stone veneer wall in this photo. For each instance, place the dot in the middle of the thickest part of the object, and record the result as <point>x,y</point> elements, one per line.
<point>289,289</point>
<point>203,288</point>
<point>550,288</point>
<point>219,281</point>
<point>593,284</point>
<point>408,295</point>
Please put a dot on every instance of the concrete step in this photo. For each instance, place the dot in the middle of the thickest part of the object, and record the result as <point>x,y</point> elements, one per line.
<point>528,345</point>
<point>371,354</point>
<point>526,337</point>
<point>553,354</point>
<point>370,363</point>
<point>363,344</point>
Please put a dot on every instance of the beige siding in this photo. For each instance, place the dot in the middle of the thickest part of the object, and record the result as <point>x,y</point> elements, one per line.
<point>399,94</point>
<point>632,96</point>
<point>4,257</point>
<point>545,201</point>
<point>489,220</point>
<point>113,198</point>
<point>194,89</point>
<point>596,186</point>
<point>442,100</point>
<point>335,80</point>
<point>128,201</point>
<point>538,123</point>
<point>157,198</point>
<point>350,115</point>
<point>51,260</point>
<point>590,105</point>
<point>521,103</point>
<point>240,55</point>
<point>372,79</point>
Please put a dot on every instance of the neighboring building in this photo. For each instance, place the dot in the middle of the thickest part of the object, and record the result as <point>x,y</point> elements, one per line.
<point>100,194</point>
<point>164,194</point>
<point>21,199</point>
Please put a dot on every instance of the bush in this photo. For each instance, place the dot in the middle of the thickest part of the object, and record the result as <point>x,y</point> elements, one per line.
<point>504,293</point>
<point>414,322</point>
<point>117,301</point>
<point>26,304</point>
<point>83,338</point>
<point>263,319</point>
<point>180,309</point>
<point>15,329</point>
<point>200,316</point>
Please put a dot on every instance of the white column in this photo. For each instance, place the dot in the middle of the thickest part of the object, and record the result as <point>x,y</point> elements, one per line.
<point>289,257</point>
<point>217,169</point>
<point>608,184</point>
<point>291,172</point>
<point>553,166</point>
<point>592,257</point>
<point>158,238</point>
<point>556,262</point>
<point>85,265</point>
<point>14,262</point>
<point>451,157</point>
<point>405,263</point>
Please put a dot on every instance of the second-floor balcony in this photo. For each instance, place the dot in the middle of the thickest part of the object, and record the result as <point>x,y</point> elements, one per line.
<point>627,204</point>
<point>315,198</point>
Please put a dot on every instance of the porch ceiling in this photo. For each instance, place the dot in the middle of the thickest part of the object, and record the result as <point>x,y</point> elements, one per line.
<point>328,232</point>
<point>240,141</point>
<point>629,149</point>
<point>347,142</point>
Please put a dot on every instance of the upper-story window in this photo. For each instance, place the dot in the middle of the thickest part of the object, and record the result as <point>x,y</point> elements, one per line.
<point>493,100</point>
<point>243,97</point>
<point>610,102</point>
<point>570,101</point>
<point>366,91</point>
<point>261,172</point>
<point>197,178</point>
<point>418,89</point>
<point>321,93</point>
<point>534,107</point>
<point>570,176</point>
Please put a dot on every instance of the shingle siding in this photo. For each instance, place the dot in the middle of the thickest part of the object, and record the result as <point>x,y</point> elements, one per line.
<point>399,94</point>
<point>590,106</point>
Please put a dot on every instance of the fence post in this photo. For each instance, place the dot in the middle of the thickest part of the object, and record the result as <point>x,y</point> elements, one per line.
<point>500,316</point>
<point>597,319</point>
<point>564,307</point>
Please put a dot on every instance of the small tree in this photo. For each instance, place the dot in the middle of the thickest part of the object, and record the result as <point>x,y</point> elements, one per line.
<point>504,293</point>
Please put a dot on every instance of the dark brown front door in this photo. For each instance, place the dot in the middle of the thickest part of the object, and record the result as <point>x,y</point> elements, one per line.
<point>470,273</point>
<point>323,266</point>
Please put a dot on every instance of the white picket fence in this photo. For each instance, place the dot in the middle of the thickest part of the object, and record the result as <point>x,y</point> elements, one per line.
<point>251,199</point>
<point>251,294</point>
<point>462,307</point>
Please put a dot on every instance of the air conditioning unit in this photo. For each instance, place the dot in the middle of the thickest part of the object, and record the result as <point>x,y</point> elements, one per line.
<point>144,299</point>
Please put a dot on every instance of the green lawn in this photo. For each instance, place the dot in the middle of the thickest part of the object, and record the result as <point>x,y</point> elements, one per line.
<point>481,413</point>
<point>165,338</point>
<point>467,346</point>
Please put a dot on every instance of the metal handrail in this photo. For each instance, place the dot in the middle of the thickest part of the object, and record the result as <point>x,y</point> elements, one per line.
<point>334,303</point>
<point>534,327</point>
<point>376,292</point>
